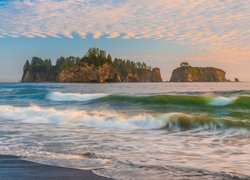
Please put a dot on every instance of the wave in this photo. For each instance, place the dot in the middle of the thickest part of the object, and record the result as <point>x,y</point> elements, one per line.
<point>179,171</point>
<point>205,100</point>
<point>222,101</point>
<point>183,100</point>
<point>192,100</point>
<point>113,120</point>
<point>58,96</point>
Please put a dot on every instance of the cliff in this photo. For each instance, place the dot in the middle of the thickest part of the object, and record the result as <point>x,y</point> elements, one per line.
<point>198,74</point>
<point>153,75</point>
<point>94,66</point>
<point>84,74</point>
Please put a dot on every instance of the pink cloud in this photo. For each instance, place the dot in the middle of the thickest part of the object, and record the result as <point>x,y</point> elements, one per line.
<point>203,23</point>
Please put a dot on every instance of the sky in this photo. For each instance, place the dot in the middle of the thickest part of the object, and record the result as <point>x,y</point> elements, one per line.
<point>162,33</point>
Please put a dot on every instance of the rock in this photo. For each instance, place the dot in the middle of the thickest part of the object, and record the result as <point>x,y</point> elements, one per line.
<point>95,66</point>
<point>153,75</point>
<point>156,75</point>
<point>131,78</point>
<point>236,80</point>
<point>85,74</point>
<point>26,77</point>
<point>90,73</point>
<point>198,74</point>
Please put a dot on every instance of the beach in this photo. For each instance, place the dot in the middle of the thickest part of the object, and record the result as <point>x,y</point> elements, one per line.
<point>12,167</point>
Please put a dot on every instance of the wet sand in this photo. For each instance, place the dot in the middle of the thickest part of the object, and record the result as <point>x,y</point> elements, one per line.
<point>14,168</point>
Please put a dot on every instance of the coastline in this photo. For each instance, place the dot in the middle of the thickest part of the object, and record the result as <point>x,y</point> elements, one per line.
<point>13,167</point>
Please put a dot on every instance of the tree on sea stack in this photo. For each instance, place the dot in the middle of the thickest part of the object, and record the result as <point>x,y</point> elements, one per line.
<point>185,64</point>
<point>96,57</point>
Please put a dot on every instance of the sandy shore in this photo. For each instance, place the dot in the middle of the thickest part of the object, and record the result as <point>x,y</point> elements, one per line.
<point>14,168</point>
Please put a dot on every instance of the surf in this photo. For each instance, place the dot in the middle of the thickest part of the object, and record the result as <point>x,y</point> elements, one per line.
<point>183,100</point>
<point>211,100</point>
<point>59,96</point>
<point>168,99</point>
<point>111,119</point>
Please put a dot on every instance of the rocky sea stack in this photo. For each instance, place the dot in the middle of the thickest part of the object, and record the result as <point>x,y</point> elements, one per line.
<point>187,73</point>
<point>95,66</point>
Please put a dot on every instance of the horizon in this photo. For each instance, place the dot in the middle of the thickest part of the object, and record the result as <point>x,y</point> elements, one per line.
<point>205,34</point>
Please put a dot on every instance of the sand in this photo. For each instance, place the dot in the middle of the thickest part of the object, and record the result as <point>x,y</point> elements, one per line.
<point>14,168</point>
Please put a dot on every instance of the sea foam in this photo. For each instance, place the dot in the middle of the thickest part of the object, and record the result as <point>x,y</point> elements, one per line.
<point>99,119</point>
<point>110,119</point>
<point>222,101</point>
<point>59,96</point>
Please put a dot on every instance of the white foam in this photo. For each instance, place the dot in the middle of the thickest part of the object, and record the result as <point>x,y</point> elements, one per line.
<point>59,96</point>
<point>222,101</point>
<point>106,119</point>
<point>98,119</point>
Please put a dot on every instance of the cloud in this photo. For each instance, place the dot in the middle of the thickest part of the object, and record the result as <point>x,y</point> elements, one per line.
<point>129,35</point>
<point>113,35</point>
<point>213,23</point>
<point>97,35</point>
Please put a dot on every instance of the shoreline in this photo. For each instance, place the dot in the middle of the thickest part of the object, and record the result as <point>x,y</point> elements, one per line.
<point>13,167</point>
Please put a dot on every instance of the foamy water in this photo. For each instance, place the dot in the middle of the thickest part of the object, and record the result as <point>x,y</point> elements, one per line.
<point>131,131</point>
<point>222,101</point>
<point>58,96</point>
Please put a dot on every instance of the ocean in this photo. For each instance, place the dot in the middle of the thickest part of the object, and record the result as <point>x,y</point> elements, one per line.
<point>131,130</point>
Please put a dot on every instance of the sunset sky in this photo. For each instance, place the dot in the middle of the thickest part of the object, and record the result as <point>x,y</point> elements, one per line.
<point>162,33</point>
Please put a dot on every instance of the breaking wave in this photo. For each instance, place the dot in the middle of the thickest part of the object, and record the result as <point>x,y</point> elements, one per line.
<point>113,120</point>
<point>222,101</point>
<point>182,100</point>
<point>58,96</point>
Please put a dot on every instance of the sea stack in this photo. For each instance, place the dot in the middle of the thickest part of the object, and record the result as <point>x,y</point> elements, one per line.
<point>187,73</point>
<point>236,80</point>
<point>95,66</point>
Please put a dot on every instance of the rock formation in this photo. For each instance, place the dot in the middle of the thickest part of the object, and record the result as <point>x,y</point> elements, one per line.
<point>236,80</point>
<point>198,74</point>
<point>85,74</point>
<point>153,75</point>
<point>95,66</point>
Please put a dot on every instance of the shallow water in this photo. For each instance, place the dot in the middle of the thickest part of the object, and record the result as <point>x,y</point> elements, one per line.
<point>131,131</point>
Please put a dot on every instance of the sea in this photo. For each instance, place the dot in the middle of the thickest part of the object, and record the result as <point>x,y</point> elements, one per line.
<point>131,130</point>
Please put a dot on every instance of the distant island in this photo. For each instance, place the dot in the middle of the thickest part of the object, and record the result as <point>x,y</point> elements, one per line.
<point>187,73</point>
<point>95,66</point>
